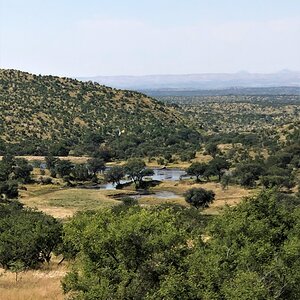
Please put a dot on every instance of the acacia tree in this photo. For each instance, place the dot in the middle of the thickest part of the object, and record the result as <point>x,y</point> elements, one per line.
<point>136,170</point>
<point>199,197</point>
<point>196,169</point>
<point>95,165</point>
<point>115,174</point>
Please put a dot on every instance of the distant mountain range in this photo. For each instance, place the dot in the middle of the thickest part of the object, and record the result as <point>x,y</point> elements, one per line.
<point>284,78</point>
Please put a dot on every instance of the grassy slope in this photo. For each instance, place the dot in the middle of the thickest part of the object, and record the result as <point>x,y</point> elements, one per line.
<point>51,108</point>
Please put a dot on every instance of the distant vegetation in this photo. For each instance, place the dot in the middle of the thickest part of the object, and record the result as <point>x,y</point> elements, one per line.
<point>119,247</point>
<point>43,115</point>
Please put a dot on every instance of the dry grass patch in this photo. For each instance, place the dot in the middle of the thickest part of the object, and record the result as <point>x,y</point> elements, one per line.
<point>33,285</point>
<point>230,196</point>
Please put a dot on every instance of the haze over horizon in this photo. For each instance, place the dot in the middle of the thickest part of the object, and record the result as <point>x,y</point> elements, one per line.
<point>92,38</point>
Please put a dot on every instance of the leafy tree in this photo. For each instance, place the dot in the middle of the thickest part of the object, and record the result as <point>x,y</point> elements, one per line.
<point>136,170</point>
<point>95,165</point>
<point>63,168</point>
<point>219,164</point>
<point>22,170</point>
<point>212,149</point>
<point>277,181</point>
<point>129,256</point>
<point>252,253</point>
<point>197,169</point>
<point>80,172</point>
<point>115,174</point>
<point>26,237</point>
<point>9,189</point>
<point>199,197</point>
<point>248,173</point>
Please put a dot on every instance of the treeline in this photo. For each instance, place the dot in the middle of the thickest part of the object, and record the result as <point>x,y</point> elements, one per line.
<point>250,251</point>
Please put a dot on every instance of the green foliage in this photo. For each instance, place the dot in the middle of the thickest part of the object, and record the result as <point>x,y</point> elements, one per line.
<point>26,237</point>
<point>197,169</point>
<point>252,253</point>
<point>136,170</point>
<point>199,197</point>
<point>95,165</point>
<point>133,255</point>
<point>84,118</point>
<point>63,168</point>
<point>9,189</point>
<point>115,174</point>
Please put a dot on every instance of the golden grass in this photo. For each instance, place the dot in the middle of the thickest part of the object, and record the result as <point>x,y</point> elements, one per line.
<point>230,196</point>
<point>33,285</point>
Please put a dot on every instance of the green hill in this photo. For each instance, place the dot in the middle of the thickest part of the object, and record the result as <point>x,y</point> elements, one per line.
<point>47,113</point>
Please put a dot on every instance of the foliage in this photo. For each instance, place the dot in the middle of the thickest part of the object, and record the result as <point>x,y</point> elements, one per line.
<point>252,253</point>
<point>197,169</point>
<point>84,118</point>
<point>136,170</point>
<point>199,197</point>
<point>115,174</point>
<point>128,256</point>
<point>26,237</point>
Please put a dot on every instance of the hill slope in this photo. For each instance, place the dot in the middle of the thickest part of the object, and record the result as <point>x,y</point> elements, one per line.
<point>42,110</point>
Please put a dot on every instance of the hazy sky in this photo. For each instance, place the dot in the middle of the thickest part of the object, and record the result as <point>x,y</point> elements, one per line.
<point>136,37</point>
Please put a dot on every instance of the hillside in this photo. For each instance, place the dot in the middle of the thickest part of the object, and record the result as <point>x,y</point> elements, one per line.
<point>40,111</point>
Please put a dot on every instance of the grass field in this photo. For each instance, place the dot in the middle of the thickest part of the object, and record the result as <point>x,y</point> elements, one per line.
<point>62,202</point>
<point>33,285</point>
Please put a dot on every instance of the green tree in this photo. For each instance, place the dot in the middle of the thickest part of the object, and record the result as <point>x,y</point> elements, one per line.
<point>63,168</point>
<point>199,197</point>
<point>95,165</point>
<point>136,170</point>
<point>115,174</point>
<point>197,169</point>
<point>26,237</point>
<point>129,256</point>
<point>219,165</point>
<point>212,149</point>
<point>252,253</point>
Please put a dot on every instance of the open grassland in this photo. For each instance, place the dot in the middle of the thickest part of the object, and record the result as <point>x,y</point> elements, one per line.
<point>33,285</point>
<point>229,196</point>
<point>64,202</point>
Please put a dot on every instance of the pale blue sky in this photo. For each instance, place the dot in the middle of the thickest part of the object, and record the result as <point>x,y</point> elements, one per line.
<point>136,37</point>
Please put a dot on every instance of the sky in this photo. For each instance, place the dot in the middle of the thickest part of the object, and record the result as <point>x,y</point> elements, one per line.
<point>138,37</point>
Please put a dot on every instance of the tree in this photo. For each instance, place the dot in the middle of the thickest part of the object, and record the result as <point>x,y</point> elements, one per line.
<point>63,168</point>
<point>9,189</point>
<point>252,253</point>
<point>212,149</point>
<point>26,237</point>
<point>131,255</point>
<point>136,170</point>
<point>80,172</point>
<point>22,170</point>
<point>219,165</point>
<point>248,173</point>
<point>115,174</point>
<point>196,169</point>
<point>199,197</point>
<point>95,165</point>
